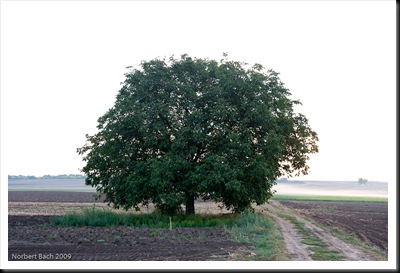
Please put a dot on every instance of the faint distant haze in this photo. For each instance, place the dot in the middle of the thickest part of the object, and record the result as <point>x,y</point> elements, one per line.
<point>333,188</point>
<point>290,187</point>
<point>58,78</point>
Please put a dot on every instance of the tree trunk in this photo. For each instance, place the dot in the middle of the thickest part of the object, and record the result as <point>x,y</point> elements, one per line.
<point>189,204</point>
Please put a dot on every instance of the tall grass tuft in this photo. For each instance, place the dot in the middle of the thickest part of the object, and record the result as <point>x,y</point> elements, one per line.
<point>261,232</point>
<point>255,229</point>
<point>108,217</point>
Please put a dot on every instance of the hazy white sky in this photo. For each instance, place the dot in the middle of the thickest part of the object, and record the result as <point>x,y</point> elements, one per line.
<point>62,64</point>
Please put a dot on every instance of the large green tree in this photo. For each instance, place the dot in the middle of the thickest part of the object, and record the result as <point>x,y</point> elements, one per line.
<point>189,128</point>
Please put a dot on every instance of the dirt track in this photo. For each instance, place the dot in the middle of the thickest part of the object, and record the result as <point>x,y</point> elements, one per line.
<point>367,220</point>
<point>293,242</point>
<point>301,252</point>
<point>31,233</point>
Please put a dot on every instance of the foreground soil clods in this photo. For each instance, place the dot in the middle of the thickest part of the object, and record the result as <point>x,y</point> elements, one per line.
<point>33,237</point>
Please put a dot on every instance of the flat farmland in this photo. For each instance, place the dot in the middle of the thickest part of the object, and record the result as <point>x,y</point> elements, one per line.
<point>31,232</point>
<point>33,235</point>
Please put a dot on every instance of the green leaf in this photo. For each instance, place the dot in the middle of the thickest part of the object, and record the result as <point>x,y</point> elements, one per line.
<point>187,128</point>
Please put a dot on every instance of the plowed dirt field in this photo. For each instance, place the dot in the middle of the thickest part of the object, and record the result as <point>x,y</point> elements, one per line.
<point>32,237</point>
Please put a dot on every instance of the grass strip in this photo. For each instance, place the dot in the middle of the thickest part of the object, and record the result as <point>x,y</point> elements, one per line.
<point>92,216</point>
<point>260,231</point>
<point>253,228</point>
<point>320,251</point>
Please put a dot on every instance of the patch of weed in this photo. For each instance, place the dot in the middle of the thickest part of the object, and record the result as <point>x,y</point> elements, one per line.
<point>260,231</point>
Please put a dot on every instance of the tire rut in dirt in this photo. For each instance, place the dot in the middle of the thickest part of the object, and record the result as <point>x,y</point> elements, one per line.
<point>367,220</point>
<point>349,252</point>
<point>296,249</point>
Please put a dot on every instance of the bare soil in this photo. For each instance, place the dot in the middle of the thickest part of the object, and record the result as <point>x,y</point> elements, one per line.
<point>367,220</point>
<point>300,251</point>
<point>53,196</point>
<point>32,237</point>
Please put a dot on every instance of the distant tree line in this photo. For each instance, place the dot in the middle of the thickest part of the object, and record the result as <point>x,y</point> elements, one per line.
<point>47,176</point>
<point>285,180</point>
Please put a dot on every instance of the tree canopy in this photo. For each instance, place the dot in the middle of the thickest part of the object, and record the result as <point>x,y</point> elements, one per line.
<point>189,128</point>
